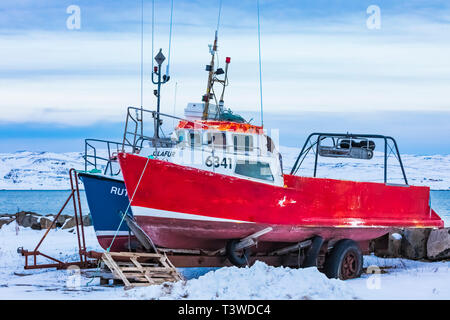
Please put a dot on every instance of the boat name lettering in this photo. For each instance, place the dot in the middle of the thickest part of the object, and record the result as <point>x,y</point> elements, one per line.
<point>163,153</point>
<point>119,191</point>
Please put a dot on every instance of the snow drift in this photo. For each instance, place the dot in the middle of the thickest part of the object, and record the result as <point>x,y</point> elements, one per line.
<point>259,281</point>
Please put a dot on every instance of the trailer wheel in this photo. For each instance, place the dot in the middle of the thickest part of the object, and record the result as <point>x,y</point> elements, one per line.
<point>238,258</point>
<point>345,261</point>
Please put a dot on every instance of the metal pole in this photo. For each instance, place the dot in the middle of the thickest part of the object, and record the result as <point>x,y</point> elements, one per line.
<point>301,153</point>
<point>317,155</point>
<point>158,103</point>
<point>400,160</point>
<point>210,80</point>
<point>385,160</point>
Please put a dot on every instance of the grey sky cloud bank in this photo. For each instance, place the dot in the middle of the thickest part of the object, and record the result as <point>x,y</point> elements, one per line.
<point>317,56</point>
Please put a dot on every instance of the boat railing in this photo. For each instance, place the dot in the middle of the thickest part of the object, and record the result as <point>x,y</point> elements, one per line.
<point>99,155</point>
<point>156,128</point>
<point>314,140</point>
<point>157,134</point>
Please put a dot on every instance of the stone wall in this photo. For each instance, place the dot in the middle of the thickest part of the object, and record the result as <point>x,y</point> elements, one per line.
<point>415,244</point>
<point>38,222</point>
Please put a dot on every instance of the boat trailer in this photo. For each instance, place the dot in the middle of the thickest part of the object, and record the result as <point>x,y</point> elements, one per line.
<point>84,258</point>
<point>148,264</point>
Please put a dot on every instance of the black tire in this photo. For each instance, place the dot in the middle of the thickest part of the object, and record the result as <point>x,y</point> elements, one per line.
<point>345,261</point>
<point>237,258</point>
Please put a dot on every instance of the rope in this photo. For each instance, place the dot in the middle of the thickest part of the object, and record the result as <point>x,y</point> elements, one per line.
<point>260,64</point>
<point>142,53</point>
<point>174,103</point>
<point>121,221</point>
<point>170,38</point>
<point>153,34</point>
<point>218,18</point>
<point>129,205</point>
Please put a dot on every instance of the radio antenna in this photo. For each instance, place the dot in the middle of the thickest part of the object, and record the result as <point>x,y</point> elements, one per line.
<point>260,64</point>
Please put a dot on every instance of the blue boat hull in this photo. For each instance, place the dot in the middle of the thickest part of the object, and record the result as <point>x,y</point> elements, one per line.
<point>107,200</point>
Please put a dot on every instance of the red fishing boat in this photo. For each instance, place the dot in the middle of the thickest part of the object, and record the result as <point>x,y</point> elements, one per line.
<point>222,186</point>
<point>184,207</point>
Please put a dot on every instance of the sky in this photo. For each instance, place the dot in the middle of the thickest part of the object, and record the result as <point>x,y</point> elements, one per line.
<point>327,65</point>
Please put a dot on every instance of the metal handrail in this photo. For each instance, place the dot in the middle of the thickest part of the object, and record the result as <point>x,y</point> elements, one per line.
<point>94,160</point>
<point>137,139</point>
<point>321,136</point>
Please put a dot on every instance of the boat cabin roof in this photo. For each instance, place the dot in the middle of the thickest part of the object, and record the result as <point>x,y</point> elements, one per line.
<point>220,125</point>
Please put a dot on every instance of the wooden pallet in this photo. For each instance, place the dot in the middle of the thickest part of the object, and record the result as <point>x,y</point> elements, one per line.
<point>140,269</point>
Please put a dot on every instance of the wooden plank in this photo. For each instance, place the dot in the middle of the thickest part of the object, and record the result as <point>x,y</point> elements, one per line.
<point>135,273</point>
<point>134,260</point>
<point>185,251</point>
<point>135,254</point>
<point>174,270</point>
<point>139,274</point>
<point>114,268</point>
<point>125,269</point>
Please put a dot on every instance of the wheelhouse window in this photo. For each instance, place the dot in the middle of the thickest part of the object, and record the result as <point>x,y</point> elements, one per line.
<point>217,140</point>
<point>257,170</point>
<point>242,142</point>
<point>270,144</point>
<point>194,139</point>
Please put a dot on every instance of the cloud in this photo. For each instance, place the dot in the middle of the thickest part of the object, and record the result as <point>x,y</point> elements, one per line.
<point>321,63</point>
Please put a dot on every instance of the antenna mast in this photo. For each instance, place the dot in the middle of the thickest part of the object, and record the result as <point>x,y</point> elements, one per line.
<point>165,78</point>
<point>210,69</point>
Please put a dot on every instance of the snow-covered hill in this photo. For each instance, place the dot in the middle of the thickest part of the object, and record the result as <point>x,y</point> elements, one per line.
<point>432,171</point>
<point>25,170</point>
<point>49,171</point>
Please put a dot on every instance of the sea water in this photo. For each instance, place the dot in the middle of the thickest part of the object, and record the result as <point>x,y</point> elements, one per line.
<point>42,202</point>
<point>50,202</point>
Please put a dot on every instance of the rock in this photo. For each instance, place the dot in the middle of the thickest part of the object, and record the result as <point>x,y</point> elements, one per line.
<point>46,223</point>
<point>62,220</point>
<point>438,244</point>
<point>28,220</point>
<point>25,215</point>
<point>388,246</point>
<point>87,221</point>
<point>5,220</point>
<point>414,243</point>
<point>70,223</point>
<point>395,244</point>
<point>35,224</point>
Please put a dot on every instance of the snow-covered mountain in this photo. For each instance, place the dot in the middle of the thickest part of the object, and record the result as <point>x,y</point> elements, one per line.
<point>26,170</point>
<point>49,171</point>
<point>432,171</point>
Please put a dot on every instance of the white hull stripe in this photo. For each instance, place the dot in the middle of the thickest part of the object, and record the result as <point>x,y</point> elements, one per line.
<point>105,233</point>
<point>156,213</point>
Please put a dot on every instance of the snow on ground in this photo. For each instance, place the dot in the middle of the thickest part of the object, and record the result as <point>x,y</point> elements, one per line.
<point>48,171</point>
<point>405,279</point>
<point>257,282</point>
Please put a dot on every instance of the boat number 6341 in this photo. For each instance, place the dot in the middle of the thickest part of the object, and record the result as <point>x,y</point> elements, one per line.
<point>218,162</point>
